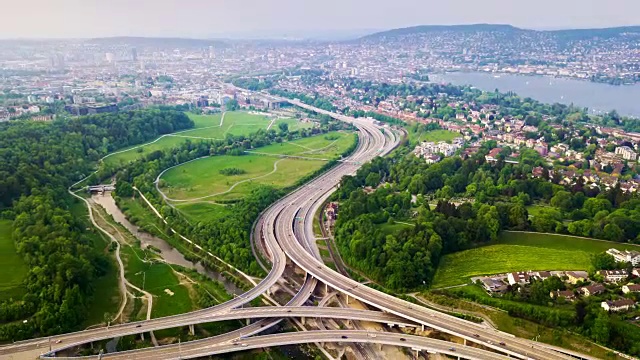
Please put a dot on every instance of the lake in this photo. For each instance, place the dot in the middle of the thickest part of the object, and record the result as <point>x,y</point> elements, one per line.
<point>596,96</point>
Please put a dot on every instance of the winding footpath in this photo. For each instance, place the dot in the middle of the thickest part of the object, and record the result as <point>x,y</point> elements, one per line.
<point>123,283</point>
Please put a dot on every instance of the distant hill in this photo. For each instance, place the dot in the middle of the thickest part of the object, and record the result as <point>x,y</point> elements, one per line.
<point>158,42</point>
<point>571,34</point>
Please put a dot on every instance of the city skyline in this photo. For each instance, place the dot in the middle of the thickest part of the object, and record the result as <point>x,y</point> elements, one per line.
<point>287,18</point>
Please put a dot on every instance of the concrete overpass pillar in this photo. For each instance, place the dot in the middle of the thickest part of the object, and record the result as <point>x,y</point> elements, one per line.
<point>248,322</point>
<point>142,336</point>
<point>347,299</point>
<point>465,342</point>
<point>422,327</point>
<point>302,321</point>
<point>192,330</point>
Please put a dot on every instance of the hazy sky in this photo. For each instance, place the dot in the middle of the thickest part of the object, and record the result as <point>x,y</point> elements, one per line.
<point>206,18</point>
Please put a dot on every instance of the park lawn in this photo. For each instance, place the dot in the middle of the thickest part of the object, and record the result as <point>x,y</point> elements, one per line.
<point>325,146</point>
<point>155,277</point>
<point>438,135</point>
<point>392,229</point>
<point>12,266</point>
<point>235,123</point>
<point>561,242</point>
<point>202,177</point>
<point>520,252</point>
<point>288,173</point>
<point>203,211</point>
<point>293,124</point>
<point>206,127</point>
<point>133,153</point>
<point>534,210</point>
<point>201,121</point>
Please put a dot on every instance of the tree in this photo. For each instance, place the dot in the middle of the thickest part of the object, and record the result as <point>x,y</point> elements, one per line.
<point>613,232</point>
<point>603,261</point>
<point>284,127</point>
<point>232,105</point>
<point>600,330</point>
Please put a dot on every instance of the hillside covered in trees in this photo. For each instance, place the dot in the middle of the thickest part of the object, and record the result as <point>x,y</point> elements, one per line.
<point>38,161</point>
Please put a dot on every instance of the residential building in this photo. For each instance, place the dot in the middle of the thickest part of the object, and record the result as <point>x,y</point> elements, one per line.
<point>618,305</point>
<point>631,288</point>
<point>567,294</point>
<point>627,153</point>
<point>492,156</point>
<point>632,257</point>
<point>520,277</point>
<point>613,275</point>
<point>592,290</point>
<point>575,276</point>
<point>494,285</point>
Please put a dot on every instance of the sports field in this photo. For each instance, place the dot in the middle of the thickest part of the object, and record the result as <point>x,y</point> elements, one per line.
<point>521,252</point>
<point>12,267</point>
<point>207,127</point>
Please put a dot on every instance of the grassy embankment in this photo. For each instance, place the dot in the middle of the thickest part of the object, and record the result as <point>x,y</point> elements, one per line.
<point>12,266</point>
<point>520,252</point>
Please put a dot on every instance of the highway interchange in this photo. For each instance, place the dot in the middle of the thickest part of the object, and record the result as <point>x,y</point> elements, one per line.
<point>283,239</point>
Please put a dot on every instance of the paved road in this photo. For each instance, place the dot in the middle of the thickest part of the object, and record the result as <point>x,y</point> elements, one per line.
<point>281,243</point>
<point>297,253</point>
<point>205,347</point>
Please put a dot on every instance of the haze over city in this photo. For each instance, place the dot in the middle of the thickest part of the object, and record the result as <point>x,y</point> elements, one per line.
<point>293,18</point>
<point>310,180</point>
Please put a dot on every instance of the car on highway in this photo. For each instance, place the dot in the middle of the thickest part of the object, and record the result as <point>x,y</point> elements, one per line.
<point>476,335</point>
<point>58,341</point>
<point>345,337</point>
<point>502,343</point>
<point>403,339</point>
<point>138,326</point>
<point>452,349</point>
<point>244,345</point>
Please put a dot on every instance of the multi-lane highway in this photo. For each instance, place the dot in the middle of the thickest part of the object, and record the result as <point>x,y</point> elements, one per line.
<point>206,347</point>
<point>282,243</point>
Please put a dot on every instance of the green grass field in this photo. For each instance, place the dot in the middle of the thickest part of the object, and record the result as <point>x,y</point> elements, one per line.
<point>293,124</point>
<point>326,146</point>
<point>206,127</point>
<point>392,229</point>
<point>535,209</point>
<point>520,252</point>
<point>170,297</point>
<point>202,178</point>
<point>203,211</point>
<point>438,135</point>
<point>12,267</point>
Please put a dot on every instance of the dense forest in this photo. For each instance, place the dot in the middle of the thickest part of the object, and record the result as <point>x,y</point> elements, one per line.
<point>38,161</point>
<point>227,237</point>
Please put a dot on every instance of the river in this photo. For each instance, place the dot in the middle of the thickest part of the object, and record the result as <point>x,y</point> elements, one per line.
<point>597,97</point>
<point>167,252</point>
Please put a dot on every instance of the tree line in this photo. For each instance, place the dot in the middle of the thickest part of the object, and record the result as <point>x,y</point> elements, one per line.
<point>38,161</point>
